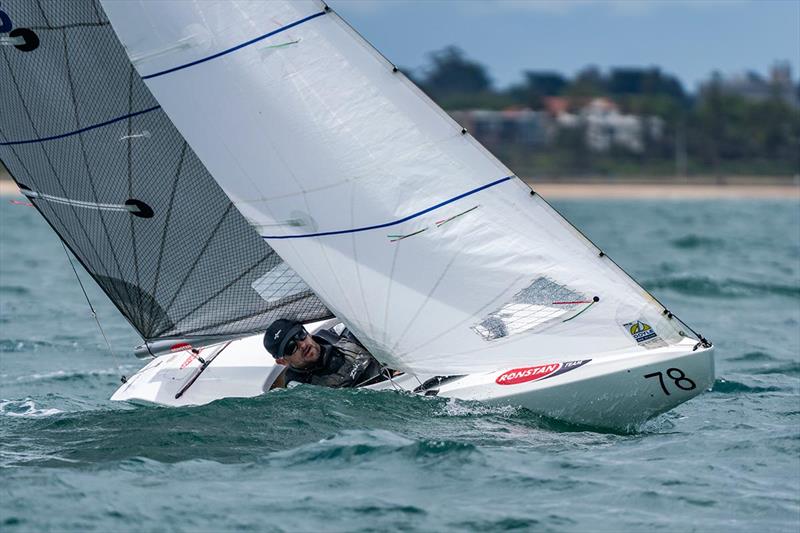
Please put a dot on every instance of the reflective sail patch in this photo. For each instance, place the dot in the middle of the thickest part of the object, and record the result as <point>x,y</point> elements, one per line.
<point>542,303</point>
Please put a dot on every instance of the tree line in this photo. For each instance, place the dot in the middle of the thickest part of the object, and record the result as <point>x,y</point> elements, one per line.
<point>716,131</point>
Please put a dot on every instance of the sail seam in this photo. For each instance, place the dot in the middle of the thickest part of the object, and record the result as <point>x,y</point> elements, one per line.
<point>167,220</point>
<point>90,179</point>
<point>57,177</point>
<point>87,128</point>
<point>199,256</point>
<point>129,152</point>
<point>234,48</point>
<point>394,222</point>
<point>230,284</point>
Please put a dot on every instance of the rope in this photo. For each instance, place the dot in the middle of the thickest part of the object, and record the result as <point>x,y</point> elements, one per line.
<point>123,379</point>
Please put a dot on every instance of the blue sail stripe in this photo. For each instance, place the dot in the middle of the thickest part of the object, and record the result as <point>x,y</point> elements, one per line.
<point>233,49</point>
<point>394,222</point>
<point>87,128</point>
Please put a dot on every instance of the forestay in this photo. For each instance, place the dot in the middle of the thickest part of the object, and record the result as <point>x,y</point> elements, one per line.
<point>433,253</point>
<point>96,155</point>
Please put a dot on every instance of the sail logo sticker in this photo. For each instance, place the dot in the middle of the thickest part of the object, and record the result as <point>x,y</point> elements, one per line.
<point>640,331</point>
<point>644,335</point>
<point>534,373</point>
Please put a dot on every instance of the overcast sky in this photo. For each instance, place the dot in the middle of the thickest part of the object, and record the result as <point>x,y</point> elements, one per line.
<point>687,38</point>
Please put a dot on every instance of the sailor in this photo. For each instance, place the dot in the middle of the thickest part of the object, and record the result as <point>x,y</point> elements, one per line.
<point>328,361</point>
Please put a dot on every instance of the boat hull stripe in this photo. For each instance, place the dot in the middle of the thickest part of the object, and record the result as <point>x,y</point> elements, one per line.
<point>394,222</point>
<point>233,49</point>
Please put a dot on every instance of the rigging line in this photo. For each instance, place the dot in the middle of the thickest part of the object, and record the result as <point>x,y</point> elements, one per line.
<point>394,222</point>
<point>82,130</point>
<point>234,48</point>
<point>94,313</point>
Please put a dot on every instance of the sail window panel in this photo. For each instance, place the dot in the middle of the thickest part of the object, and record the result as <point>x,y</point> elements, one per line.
<point>541,303</point>
<point>279,282</point>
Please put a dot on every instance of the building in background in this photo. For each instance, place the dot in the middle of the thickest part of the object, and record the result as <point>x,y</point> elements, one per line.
<point>756,88</point>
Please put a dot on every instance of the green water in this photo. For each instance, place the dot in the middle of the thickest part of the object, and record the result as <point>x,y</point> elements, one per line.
<point>310,459</point>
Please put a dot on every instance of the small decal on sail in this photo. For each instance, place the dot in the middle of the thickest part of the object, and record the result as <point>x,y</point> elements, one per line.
<point>535,373</point>
<point>543,303</point>
<point>644,335</point>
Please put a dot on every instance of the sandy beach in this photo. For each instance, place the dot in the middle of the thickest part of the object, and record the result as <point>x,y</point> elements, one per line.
<point>741,189</point>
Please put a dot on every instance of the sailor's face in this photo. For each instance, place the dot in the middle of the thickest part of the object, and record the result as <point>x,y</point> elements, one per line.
<point>305,354</point>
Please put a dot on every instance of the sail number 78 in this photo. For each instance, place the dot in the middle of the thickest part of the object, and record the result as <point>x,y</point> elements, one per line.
<point>677,376</point>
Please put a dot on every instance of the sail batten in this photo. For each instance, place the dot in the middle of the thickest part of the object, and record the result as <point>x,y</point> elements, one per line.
<point>97,156</point>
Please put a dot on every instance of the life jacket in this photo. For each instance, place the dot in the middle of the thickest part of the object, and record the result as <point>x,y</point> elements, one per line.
<point>343,363</point>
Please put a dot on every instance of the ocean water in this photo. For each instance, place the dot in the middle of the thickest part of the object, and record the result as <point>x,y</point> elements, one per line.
<point>310,459</point>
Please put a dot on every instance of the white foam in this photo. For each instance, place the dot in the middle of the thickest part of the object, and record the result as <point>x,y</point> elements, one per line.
<point>456,407</point>
<point>62,373</point>
<point>24,408</point>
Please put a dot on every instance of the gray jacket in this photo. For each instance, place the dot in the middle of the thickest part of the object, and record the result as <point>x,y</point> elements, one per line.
<point>341,364</point>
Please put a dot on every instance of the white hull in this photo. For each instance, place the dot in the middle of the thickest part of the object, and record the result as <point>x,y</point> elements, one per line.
<point>611,393</point>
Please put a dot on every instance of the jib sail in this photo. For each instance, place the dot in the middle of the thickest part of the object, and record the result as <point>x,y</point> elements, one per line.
<point>97,156</point>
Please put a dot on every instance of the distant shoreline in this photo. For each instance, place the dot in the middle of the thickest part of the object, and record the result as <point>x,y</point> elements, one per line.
<point>621,189</point>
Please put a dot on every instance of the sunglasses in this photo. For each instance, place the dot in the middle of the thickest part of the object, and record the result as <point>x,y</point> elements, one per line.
<point>291,346</point>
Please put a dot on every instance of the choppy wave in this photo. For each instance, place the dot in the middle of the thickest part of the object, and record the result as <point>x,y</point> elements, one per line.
<point>455,407</point>
<point>732,387</point>
<point>753,357</point>
<point>14,290</point>
<point>23,345</point>
<point>64,376</point>
<point>791,368</point>
<point>726,288</point>
<point>693,241</point>
<point>25,408</point>
<point>355,445</point>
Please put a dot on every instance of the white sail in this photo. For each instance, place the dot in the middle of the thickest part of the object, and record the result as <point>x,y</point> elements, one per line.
<point>434,254</point>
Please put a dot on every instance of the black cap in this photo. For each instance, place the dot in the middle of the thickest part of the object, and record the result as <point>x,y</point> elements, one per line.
<point>278,335</point>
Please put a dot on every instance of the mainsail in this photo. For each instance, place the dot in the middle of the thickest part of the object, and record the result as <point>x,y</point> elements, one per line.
<point>430,249</point>
<point>97,156</point>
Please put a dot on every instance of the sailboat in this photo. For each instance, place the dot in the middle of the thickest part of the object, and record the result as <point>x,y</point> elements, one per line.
<point>216,166</point>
